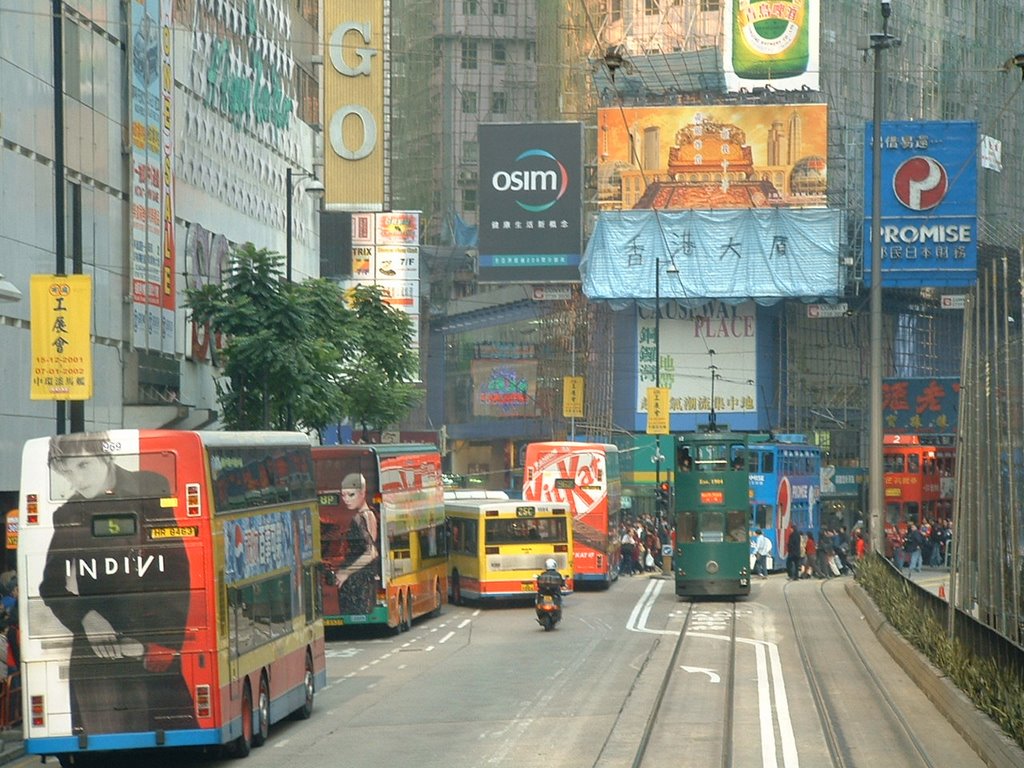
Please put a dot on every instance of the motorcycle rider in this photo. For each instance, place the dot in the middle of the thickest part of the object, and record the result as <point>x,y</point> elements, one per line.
<point>550,582</point>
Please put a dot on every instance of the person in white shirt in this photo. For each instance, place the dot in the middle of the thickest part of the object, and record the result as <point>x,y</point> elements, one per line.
<point>761,546</point>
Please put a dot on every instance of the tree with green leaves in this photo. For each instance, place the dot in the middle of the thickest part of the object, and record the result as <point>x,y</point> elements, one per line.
<point>304,354</point>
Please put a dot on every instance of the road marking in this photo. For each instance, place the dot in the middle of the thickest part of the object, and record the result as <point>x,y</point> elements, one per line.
<point>713,676</point>
<point>446,638</point>
<point>769,675</point>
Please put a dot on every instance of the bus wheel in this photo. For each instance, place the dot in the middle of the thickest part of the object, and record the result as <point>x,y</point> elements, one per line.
<point>406,617</point>
<point>438,599</point>
<point>241,746</point>
<point>259,737</point>
<point>456,589</point>
<point>306,710</point>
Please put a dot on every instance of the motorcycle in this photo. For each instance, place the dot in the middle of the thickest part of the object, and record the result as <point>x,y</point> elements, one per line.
<point>549,610</point>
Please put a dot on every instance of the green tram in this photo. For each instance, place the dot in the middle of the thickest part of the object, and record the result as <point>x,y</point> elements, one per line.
<point>712,506</point>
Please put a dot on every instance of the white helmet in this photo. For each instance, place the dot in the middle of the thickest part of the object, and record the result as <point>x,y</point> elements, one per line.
<point>550,564</point>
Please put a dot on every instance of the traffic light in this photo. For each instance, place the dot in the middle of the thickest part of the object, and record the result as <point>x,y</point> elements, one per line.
<point>663,498</point>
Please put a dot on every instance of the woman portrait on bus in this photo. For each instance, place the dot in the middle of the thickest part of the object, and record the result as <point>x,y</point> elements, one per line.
<point>356,577</point>
<point>124,599</point>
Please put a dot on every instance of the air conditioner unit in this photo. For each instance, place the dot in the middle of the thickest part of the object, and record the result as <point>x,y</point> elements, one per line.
<point>468,177</point>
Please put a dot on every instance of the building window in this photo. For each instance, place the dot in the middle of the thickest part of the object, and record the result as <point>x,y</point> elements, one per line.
<point>469,200</point>
<point>470,7</point>
<point>531,51</point>
<point>500,7</point>
<point>499,53</point>
<point>499,103</point>
<point>650,7</point>
<point>470,152</point>
<point>615,13</point>
<point>469,106</point>
<point>710,5</point>
<point>469,54</point>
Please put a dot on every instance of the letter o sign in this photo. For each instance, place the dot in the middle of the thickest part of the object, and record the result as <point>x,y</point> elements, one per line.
<point>369,126</point>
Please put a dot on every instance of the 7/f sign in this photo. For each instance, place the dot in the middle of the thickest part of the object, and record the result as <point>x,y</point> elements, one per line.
<point>572,397</point>
<point>657,410</point>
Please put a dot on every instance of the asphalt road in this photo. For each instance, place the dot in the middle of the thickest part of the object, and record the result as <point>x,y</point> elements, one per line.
<point>793,675</point>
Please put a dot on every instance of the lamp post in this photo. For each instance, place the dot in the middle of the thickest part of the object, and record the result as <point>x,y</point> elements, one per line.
<point>315,188</point>
<point>670,270</point>
<point>876,492</point>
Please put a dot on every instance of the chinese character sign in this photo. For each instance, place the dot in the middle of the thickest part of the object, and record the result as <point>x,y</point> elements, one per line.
<point>61,309</point>
<point>924,405</point>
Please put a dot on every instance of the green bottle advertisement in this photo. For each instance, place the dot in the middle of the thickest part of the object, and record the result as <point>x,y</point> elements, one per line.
<point>769,38</point>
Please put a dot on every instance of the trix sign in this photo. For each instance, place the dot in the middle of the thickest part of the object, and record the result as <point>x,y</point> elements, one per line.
<point>928,203</point>
<point>530,202</point>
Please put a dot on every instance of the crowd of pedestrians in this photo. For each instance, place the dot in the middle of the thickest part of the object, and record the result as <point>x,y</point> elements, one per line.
<point>641,543</point>
<point>829,555</point>
<point>910,547</point>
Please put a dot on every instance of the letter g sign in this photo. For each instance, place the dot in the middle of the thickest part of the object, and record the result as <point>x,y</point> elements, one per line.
<point>360,113</point>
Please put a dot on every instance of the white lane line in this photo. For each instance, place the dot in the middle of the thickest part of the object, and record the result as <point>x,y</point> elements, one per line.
<point>764,709</point>
<point>446,638</point>
<point>790,757</point>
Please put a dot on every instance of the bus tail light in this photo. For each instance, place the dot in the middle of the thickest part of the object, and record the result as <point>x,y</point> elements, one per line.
<point>382,597</point>
<point>193,500</point>
<point>561,547</point>
<point>32,509</point>
<point>38,721</point>
<point>203,704</point>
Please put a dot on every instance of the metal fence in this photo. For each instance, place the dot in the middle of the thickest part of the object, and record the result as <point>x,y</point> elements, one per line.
<point>986,569</point>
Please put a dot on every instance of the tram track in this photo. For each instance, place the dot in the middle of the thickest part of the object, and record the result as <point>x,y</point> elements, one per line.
<point>827,699</point>
<point>662,726</point>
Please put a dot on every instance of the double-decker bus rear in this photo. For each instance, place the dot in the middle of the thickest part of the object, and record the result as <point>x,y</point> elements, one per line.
<point>586,477</point>
<point>382,514</point>
<point>124,562</point>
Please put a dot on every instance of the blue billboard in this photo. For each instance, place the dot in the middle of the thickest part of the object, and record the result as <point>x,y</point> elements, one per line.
<point>929,210</point>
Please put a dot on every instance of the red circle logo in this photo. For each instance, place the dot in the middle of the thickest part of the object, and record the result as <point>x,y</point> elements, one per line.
<point>920,183</point>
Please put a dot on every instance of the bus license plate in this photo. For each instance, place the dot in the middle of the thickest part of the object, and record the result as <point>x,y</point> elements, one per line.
<point>526,586</point>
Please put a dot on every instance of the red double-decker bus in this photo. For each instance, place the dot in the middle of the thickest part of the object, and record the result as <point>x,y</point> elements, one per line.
<point>913,480</point>
<point>168,593</point>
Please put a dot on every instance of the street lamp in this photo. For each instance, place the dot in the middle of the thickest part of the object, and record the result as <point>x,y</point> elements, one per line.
<point>876,495</point>
<point>315,188</point>
<point>8,290</point>
<point>670,270</point>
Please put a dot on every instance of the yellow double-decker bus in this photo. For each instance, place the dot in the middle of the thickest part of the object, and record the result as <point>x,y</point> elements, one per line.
<point>496,548</point>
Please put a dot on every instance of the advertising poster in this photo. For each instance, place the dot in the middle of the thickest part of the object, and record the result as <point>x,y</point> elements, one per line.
<point>929,203</point>
<point>771,44</point>
<point>504,388</point>
<point>688,370</point>
<point>531,212</point>
<point>713,157</point>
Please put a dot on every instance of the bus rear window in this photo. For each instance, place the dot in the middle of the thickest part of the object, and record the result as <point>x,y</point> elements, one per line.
<point>105,476</point>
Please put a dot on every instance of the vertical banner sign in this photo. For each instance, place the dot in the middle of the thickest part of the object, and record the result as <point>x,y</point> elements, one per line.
<point>771,42</point>
<point>61,310</point>
<point>357,123</point>
<point>167,285</point>
<point>572,397</point>
<point>147,182</point>
<point>531,211</point>
<point>929,203</point>
<point>657,410</point>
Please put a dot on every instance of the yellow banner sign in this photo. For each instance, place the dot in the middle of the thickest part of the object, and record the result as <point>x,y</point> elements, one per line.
<point>657,410</point>
<point>354,108</point>
<point>61,310</point>
<point>572,397</point>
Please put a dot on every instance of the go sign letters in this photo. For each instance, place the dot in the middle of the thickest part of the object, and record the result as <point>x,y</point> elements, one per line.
<point>354,168</point>
<point>366,120</point>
